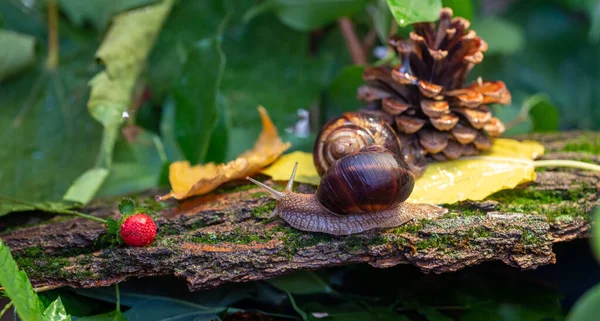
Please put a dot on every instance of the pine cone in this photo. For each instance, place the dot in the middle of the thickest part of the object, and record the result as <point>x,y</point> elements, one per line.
<point>434,115</point>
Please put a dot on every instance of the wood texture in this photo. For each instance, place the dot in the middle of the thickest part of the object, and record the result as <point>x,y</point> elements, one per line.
<point>224,237</point>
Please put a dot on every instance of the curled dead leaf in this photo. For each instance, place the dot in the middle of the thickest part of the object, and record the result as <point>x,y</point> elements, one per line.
<point>187,180</point>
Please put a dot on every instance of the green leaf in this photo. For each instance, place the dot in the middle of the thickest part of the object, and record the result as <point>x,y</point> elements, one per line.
<point>341,94</point>
<point>433,315</point>
<point>8,205</point>
<point>594,34</point>
<point>56,312</point>
<point>382,19</point>
<point>136,164</point>
<point>219,140</point>
<point>411,11</point>
<point>18,288</point>
<point>45,136</point>
<point>113,226</point>
<point>85,186</point>
<point>126,206</point>
<point>110,316</point>
<point>542,113</point>
<point>281,76</point>
<point>595,239</point>
<point>195,97</point>
<point>98,12</point>
<point>587,307</point>
<point>502,36</point>
<point>16,53</point>
<point>301,283</point>
<point>111,89</point>
<point>308,14</point>
<point>461,8</point>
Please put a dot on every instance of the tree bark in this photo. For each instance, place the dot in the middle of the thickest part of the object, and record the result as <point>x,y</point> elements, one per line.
<point>224,236</point>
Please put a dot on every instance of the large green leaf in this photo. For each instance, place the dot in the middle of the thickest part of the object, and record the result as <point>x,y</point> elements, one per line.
<point>16,52</point>
<point>46,134</point>
<point>502,36</point>
<point>301,283</point>
<point>137,164</point>
<point>543,114</point>
<point>280,75</point>
<point>110,316</point>
<point>461,8</point>
<point>410,11</point>
<point>595,240</point>
<point>56,312</point>
<point>9,205</point>
<point>382,19</point>
<point>18,288</point>
<point>195,97</point>
<point>308,14</point>
<point>124,53</point>
<point>219,140</point>
<point>97,12</point>
<point>341,93</point>
<point>587,308</point>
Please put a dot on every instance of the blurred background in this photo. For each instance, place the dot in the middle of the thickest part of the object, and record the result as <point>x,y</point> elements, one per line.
<point>214,61</point>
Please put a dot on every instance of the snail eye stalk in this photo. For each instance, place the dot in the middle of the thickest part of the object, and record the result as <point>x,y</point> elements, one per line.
<point>290,184</point>
<point>276,194</point>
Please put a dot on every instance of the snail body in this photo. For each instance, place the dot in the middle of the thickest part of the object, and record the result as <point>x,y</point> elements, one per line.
<point>358,192</point>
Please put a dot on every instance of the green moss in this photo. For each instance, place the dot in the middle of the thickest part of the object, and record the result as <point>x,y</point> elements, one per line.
<point>237,236</point>
<point>43,266</point>
<point>530,238</point>
<point>411,227</point>
<point>166,229</point>
<point>294,239</point>
<point>259,195</point>
<point>585,144</point>
<point>544,202</point>
<point>34,251</point>
<point>263,211</point>
<point>462,209</point>
<point>436,241</point>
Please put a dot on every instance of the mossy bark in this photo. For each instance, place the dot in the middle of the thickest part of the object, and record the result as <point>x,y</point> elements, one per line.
<point>225,237</point>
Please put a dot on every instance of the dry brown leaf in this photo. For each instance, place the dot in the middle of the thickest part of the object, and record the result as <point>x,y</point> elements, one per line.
<point>187,180</point>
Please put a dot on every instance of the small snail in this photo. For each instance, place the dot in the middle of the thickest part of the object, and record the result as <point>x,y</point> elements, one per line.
<point>358,192</point>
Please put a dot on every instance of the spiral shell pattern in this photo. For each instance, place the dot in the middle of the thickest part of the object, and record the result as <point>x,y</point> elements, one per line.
<point>350,133</point>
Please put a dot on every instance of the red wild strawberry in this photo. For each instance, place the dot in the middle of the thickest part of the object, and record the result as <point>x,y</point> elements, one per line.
<point>138,230</point>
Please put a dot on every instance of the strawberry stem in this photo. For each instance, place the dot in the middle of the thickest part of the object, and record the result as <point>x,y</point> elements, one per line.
<point>70,212</point>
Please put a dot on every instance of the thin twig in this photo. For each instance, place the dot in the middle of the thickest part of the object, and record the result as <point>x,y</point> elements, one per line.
<point>118,308</point>
<point>5,309</point>
<point>355,47</point>
<point>52,59</point>
<point>42,288</point>
<point>369,40</point>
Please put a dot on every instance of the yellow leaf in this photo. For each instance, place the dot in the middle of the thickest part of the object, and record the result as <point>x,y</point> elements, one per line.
<point>187,180</point>
<point>507,164</point>
<point>282,168</point>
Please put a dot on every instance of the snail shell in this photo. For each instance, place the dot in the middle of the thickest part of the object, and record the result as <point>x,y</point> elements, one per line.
<point>350,133</point>
<point>369,181</point>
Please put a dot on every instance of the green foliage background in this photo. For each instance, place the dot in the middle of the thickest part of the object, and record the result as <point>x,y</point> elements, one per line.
<point>215,61</point>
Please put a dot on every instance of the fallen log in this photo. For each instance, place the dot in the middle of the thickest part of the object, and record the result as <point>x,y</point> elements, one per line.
<point>225,236</point>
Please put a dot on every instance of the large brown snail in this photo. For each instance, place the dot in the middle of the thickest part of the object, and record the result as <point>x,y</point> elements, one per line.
<point>364,183</point>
